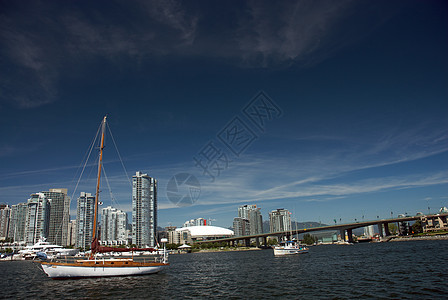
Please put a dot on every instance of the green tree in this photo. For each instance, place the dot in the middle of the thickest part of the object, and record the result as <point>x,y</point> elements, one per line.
<point>417,227</point>
<point>272,242</point>
<point>393,229</point>
<point>309,239</point>
<point>172,246</point>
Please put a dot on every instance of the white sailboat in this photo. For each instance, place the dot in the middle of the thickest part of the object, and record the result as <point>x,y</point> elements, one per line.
<point>104,267</point>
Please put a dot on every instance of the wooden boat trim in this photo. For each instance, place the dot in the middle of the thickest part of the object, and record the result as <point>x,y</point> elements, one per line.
<point>106,264</point>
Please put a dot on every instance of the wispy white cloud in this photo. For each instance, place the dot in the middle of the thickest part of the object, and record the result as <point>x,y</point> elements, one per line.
<point>288,31</point>
<point>384,145</point>
<point>323,176</point>
<point>38,43</point>
<point>242,192</point>
<point>7,150</point>
<point>29,64</point>
<point>173,14</point>
<point>42,39</point>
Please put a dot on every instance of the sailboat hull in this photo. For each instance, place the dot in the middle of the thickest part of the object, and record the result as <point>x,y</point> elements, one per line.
<point>74,270</point>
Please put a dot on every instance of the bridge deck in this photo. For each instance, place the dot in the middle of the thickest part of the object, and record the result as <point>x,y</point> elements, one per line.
<point>347,226</point>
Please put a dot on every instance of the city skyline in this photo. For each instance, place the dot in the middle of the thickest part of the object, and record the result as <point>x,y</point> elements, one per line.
<point>354,127</point>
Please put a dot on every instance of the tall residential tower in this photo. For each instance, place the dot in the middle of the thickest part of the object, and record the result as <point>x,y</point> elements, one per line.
<point>144,210</point>
<point>114,224</point>
<point>253,214</point>
<point>280,220</point>
<point>84,220</point>
<point>59,216</point>
<point>37,217</point>
<point>5,215</point>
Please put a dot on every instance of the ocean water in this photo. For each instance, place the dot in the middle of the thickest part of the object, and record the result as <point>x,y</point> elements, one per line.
<point>394,270</point>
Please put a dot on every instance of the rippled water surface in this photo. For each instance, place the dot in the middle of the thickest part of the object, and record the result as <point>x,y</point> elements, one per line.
<point>414,269</point>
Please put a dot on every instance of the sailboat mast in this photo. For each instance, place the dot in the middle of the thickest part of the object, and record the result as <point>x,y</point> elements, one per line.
<point>97,195</point>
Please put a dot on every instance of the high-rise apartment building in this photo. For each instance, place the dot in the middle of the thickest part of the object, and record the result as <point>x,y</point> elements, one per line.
<point>12,217</point>
<point>253,214</point>
<point>113,226</point>
<point>5,212</point>
<point>196,222</point>
<point>144,210</point>
<point>71,241</point>
<point>17,222</point>
<point>280,220</point>
<point>37,217</point>
<point>369,231</point>
<point>59,216</point>
<point>241,226</point>
<point>172,235</point>
<point>84,220</point>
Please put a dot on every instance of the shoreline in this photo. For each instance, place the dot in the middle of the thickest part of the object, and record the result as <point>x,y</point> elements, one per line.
<point>419,238</point>
<point>226,250</point>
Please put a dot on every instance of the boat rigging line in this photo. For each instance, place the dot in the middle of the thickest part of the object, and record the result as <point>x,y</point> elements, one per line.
<point>112,197</point>
<point>86,159</point>
<point>119,156</point>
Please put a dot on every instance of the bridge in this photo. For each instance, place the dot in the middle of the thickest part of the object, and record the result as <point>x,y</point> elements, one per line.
<point>383,228</point>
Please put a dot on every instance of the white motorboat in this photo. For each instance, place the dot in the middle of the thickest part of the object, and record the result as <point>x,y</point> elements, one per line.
<point>289,248</point>
<point>42,246</point>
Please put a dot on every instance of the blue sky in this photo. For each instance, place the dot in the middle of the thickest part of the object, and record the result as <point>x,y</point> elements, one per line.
<point>360,87</point>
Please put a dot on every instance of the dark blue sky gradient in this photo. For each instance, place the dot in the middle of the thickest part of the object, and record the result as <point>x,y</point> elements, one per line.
<point>362,86</point>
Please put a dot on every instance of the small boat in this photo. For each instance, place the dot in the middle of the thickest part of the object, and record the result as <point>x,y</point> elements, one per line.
<point>289,248</point>
<point>99,266</point>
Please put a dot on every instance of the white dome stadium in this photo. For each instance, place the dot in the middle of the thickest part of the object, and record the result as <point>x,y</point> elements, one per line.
<point>207,231</point>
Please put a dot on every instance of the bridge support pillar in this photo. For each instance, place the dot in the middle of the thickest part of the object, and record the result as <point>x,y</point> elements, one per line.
<point>349,236</point>
<point>380,229</point>
<point>247,242</point>
<point>342,233</point>
<point>265,241</point>
<point>386,229</point>
<point>257,241</point>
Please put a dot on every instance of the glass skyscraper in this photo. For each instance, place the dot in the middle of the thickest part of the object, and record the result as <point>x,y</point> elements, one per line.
<point>241,226</point>
<point>144,210</point>
<point>38,213</point>
<point>280,220</point>
<point>59,216</point>
<point>253,214</point>
<point>84,220</point>
<point>113,226</point>
<point>5,213</point>
<point>17,222</point>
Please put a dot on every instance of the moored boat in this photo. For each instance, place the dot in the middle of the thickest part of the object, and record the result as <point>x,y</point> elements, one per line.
<point>101,268</point>
<point>290,248</point>
<point>42,246</point>
<point>104,267</point>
